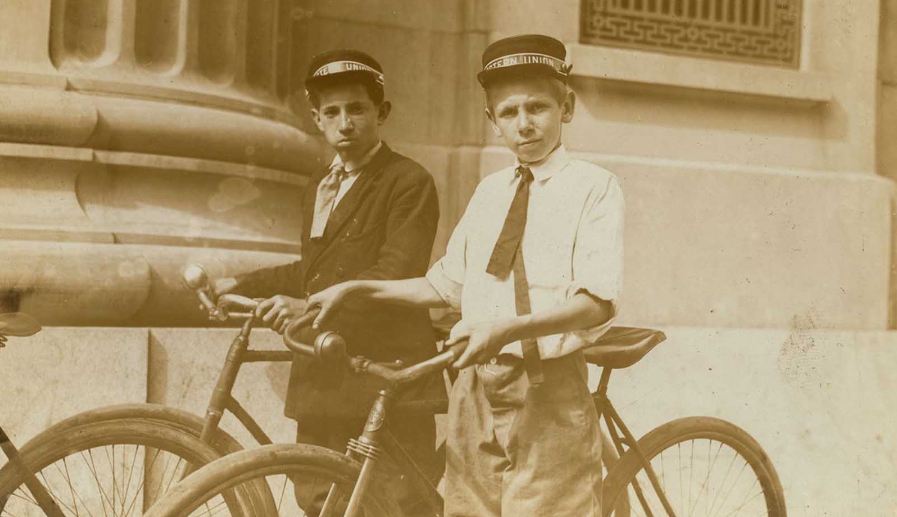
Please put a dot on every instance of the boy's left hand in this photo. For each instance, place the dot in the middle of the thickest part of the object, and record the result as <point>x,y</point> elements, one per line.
<point>485,341</point>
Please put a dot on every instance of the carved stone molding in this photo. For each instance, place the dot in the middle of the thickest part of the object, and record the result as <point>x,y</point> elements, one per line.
<point>754,31</point>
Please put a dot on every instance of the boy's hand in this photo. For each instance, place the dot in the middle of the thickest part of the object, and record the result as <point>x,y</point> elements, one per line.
<point>485,341</point>
<point>279,311</point>
<point>328,301</point>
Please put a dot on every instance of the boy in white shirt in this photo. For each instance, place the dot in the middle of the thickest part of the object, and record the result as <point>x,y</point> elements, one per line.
<point>535,265</point>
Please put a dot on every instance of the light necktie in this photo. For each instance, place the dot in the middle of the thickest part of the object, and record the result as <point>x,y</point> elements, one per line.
<point>325,199</point>
<point>508,255</point>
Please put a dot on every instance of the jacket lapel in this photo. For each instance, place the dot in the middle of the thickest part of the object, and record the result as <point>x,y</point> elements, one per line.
<point>349,204</point>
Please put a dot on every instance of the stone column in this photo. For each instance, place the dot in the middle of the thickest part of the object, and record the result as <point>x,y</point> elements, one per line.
<point>137,136</point>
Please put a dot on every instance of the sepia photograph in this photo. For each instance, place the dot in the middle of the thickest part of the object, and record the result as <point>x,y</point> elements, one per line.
<point>460,258</point>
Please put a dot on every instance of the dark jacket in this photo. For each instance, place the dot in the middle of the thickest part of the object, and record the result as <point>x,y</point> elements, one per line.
<point>383,228</point>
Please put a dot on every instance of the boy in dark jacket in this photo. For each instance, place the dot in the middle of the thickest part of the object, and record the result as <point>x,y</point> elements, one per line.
<point>371,215</point>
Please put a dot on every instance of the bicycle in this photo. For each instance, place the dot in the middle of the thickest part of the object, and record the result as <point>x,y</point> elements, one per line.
<point>355,483</point>
<point>119,459</point>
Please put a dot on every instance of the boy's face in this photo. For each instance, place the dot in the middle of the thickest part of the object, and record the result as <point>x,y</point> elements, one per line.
<point>527,113</point>
<point>349,118</point>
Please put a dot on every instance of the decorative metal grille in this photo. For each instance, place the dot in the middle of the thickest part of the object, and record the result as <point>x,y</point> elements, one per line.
<point>755,31</point>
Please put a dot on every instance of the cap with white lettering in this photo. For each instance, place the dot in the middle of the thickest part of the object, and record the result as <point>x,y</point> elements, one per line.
<point>345,64</point>
<point>524,55</point>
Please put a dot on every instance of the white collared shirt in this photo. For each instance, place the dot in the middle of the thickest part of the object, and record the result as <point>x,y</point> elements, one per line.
<point>353,169</point>
<point>573,242</point>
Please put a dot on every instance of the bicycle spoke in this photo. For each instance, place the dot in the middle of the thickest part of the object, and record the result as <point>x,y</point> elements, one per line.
<point>722,484</point>
<point>679,449</point>
<point>709,468</point>
<point>706,479</point>
<point>216,508</point>
<point>140,484</point>
<point>162,481</point>
<point>25,496</point>
<point>124,498</point>
<point>282,492</point>
<point>174,474</point>
<point>101,491</point>
<point>737,510</point>
<point>112,470</point>
<point>691,471</point>
<point>68,479</point>
<point>734,484</point>
<point>84,504</point>
<point>50,491</point>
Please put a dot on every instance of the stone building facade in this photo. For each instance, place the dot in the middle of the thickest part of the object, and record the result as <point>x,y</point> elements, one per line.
<point>137,137</point>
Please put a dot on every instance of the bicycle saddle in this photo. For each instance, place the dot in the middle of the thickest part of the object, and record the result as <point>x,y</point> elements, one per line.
<point>622,347</point>
<point>18,324</point>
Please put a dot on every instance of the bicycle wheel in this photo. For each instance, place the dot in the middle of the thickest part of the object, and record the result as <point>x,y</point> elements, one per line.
<point>203,493</point>
<point>705,466</point>
<point>107,467</point>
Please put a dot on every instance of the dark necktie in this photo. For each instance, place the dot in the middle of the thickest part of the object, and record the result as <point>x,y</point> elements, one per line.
<point>502,260</point>
<point>508,255</point>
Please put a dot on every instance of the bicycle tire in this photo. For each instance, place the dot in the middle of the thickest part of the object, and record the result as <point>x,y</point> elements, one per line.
<point>203,487</point>
<point>77,454</point>
<point>687,431</point>
<point>177,418</point>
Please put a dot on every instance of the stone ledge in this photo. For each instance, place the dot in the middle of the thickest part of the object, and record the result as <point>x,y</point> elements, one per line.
<point>147,160</point>
<point>635,66</point>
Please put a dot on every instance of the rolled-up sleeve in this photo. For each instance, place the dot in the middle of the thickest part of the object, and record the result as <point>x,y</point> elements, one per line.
<point>447,274</point>
<point>598,251</point>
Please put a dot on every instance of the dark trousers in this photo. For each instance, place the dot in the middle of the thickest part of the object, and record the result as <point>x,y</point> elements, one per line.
<point>416,434</point>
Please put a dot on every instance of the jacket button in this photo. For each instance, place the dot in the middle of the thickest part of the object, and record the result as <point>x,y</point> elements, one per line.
<point>340,272</point>
<point>316,277</point>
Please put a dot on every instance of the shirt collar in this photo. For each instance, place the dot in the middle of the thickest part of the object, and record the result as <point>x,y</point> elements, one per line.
<point>352,166</point>
<point>548,166</point>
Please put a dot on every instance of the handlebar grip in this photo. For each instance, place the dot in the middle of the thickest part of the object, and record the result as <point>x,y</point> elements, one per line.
<point>226,300</point>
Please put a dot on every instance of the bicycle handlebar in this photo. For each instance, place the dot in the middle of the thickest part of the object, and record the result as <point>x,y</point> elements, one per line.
<point>331,347</point>
<point>196,278</point>
<point>328,346</point>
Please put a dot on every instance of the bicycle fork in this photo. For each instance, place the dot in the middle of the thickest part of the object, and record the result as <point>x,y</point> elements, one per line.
<point>367,446</point>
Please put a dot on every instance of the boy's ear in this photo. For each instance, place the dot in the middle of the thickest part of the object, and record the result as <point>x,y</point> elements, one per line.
<point>316,116</point>
<point>383,111</point>
<point>491,117</point>
<point>568,107</point>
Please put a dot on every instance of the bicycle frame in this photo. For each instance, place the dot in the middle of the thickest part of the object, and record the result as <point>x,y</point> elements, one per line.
<point>222,399</point>
<point>615,426</point>
<point>368,448</point>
